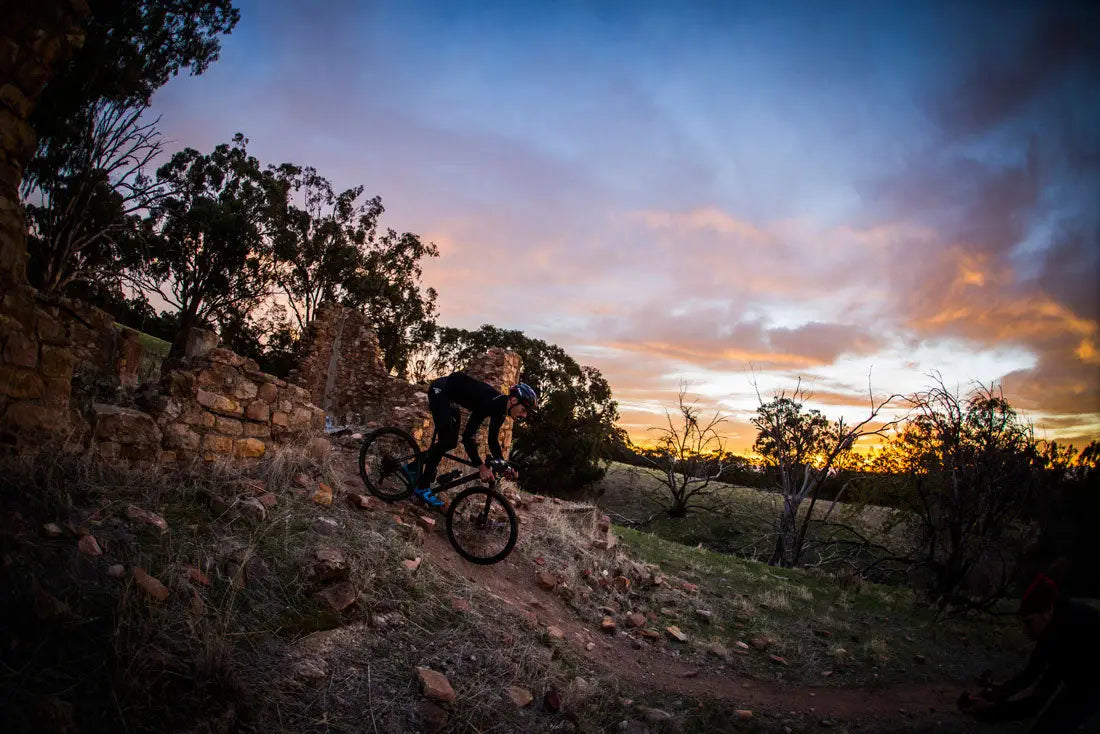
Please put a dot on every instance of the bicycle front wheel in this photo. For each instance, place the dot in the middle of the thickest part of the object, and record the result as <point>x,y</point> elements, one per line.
<point>482,525</point>
<point>390,463</point>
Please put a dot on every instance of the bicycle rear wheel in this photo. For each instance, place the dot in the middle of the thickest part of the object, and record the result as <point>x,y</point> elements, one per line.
<point>389,463</point>
<point>482,525</point>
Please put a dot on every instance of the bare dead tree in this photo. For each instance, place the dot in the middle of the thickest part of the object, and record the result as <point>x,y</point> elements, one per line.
<point>801,447</point>
<point>80,211</point>
<point>690,454</point>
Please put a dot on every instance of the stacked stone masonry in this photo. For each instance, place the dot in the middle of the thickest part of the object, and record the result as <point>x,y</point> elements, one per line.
<point>213,404</point>
<point>35,359</point>
<point>343,370</point>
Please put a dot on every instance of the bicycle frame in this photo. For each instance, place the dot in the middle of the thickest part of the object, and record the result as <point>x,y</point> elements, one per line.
<point>458,460</point>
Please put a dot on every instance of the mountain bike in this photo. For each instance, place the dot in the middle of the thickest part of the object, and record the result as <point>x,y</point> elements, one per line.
<point>481,522</point>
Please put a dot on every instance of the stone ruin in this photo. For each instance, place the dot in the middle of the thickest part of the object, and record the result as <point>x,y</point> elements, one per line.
<point>36,359</point>
<point>342,369</point>
<point>211,403</point>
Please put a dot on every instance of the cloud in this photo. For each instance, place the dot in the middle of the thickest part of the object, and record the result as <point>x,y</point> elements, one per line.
<point>1028,61</point>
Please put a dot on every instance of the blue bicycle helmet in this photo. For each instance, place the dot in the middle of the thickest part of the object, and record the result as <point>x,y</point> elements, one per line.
<point>525,394</point>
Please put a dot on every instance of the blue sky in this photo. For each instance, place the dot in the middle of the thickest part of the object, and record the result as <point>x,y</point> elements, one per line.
<point>708,191</point>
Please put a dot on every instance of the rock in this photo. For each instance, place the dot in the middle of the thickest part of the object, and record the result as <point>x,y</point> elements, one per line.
<point>323,494</point>
<point>197,576</point>
<point>268,500</point>
<point>742,645</point>
<point>87,544</point>
<point>761,643</point>
<point>150,585</point>
<point>329,564</point>
<point>920,659</point>
<point>124,425</point>
<point>434,685</point>
<point>546,580</point>
<point>633,727</point>
<point>590,646</point>
<point>552,700</point>
<point>565,592</point>
<point>252,508</point>
<point>320,448</point>
<point>52,530</point>
<point>634,619</point>
<point>459,604</point>
<point>705,614</point>
<point>310,669</point>
<point>521,697</point>
<point>325,526</point>
<point>743,714</point>
<point>650,634</point>
<point>200,343</point>
<point>412,565</point>
<point>823,633</point>
<point>433,717</point>
<point>426,522</point>
<point>675,633</point>
<point>339,597</point>
<point>116,571</point>
<point>689,587</point>
<point>777,659</point>
<point>608,625</point>
<point>655,715</point>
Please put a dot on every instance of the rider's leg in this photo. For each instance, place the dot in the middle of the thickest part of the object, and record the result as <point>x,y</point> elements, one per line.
<point>446,427</point>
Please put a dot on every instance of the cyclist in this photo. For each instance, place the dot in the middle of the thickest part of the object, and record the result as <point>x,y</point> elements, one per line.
<point>483,401</point>
<point>1062,672</point>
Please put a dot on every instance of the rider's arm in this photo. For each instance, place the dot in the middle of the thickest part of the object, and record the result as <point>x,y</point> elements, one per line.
<point>495,422</point>
<point>1035,666</point>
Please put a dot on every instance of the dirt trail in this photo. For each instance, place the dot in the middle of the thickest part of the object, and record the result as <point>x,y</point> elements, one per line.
<point>511,582</point>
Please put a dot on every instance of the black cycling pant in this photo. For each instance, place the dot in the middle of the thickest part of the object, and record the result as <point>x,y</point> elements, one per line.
<point>1069,708</point>
<point>446,418</point>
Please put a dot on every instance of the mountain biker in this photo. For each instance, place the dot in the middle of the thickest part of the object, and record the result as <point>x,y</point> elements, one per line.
<point>483,401</point>
<point>1062,671</point>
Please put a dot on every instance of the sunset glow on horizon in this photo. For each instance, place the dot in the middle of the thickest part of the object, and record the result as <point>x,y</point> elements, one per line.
<point>731,196</point>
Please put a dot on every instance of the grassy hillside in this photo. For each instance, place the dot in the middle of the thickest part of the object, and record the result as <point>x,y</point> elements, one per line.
<point>733,520</point>
<point>242,632</point>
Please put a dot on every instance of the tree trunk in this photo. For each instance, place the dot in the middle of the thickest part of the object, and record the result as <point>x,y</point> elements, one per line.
<point>188,321</point>
<point>783,555</point>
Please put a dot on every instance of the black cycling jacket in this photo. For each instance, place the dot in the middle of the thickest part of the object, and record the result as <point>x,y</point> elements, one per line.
<point>483,401</point>
<point>1066,653</point>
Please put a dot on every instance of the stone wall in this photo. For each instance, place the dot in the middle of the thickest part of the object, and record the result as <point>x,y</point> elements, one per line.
<point>211,404</point>
<point>343,371</point>
<point>100,347</point>
<point>35,360</point>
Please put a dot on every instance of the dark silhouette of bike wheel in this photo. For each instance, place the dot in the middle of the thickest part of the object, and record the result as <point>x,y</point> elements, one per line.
<point>482,525</point>
<point>389,463</point>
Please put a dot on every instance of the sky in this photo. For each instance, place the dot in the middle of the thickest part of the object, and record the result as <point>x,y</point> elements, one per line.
<point>725,196</point>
